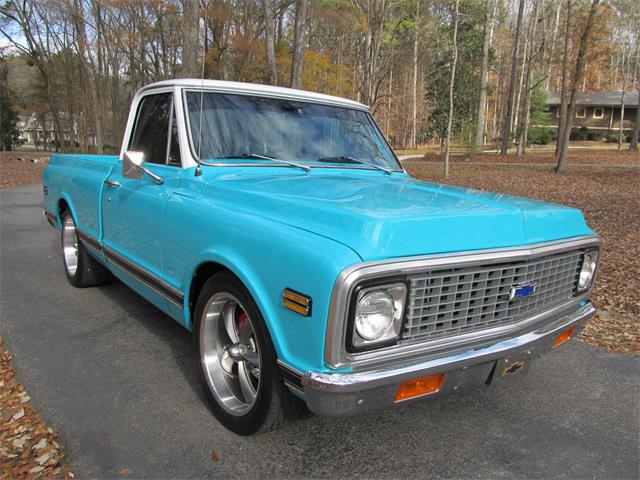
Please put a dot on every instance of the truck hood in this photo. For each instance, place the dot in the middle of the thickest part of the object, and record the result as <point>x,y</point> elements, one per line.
<point>381,216</point>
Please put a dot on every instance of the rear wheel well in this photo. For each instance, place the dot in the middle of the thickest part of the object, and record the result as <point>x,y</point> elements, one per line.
<point>203,273</point>
<point>63,206</point>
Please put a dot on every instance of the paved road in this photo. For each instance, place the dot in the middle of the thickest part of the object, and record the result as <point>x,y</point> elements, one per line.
<point>115,377</point>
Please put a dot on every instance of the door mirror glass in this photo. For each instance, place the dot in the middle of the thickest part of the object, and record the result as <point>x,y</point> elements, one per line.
<point>133,164</point>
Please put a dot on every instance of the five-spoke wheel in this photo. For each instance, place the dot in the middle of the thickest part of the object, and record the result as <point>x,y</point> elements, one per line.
<point>70,245</point>
<point>83,270</point>
<point>229,354</point>
<point>236,359</point>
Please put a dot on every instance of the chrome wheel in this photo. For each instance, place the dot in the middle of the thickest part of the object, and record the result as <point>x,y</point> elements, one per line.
<point>70,245</point>
<point>229,353</point>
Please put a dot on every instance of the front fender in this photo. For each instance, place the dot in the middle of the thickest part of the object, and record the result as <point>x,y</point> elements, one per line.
<point>267,257</point>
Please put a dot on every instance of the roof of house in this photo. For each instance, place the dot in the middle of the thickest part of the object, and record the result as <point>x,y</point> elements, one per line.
<point>256,89</point>
<point>598,99</point>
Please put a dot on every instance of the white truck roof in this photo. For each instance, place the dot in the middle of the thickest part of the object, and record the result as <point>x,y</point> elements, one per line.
<point>256,89</point>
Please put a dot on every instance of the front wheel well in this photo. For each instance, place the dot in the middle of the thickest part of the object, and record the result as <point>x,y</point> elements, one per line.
<point>203,273</point>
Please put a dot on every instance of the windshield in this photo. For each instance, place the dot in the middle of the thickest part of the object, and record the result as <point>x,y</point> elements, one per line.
<point>241,127</point>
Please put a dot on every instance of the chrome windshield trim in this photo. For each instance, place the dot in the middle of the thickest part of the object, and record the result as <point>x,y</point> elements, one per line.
<point>192,150</point>
<point>336,355</point>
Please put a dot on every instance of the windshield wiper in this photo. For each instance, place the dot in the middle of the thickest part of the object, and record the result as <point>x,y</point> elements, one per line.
<point>265,157</point>
<point>348,159</point>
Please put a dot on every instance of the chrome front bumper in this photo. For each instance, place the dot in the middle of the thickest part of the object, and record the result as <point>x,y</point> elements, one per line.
<point>343,394</point>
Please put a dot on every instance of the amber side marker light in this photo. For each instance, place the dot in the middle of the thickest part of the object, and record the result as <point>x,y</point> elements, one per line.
<point>420,386</point>
<point>564,336</point>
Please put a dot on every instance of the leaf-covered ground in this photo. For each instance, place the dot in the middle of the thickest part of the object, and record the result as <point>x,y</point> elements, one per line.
<point>21,168</point>
<point>610,199</point>
<point>28,448</point>
<point>583,157</point>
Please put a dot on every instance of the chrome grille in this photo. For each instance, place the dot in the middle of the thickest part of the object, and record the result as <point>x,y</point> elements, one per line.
<point>453,301</point>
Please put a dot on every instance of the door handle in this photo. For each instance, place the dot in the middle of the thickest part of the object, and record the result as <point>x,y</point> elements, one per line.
<point>112,183</point>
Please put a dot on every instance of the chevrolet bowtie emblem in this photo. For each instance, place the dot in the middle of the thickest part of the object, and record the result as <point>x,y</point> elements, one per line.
<point>522,291</point>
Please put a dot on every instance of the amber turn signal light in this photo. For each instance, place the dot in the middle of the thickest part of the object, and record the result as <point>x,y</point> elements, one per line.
<point>564,336</point>
<point>420,386</point>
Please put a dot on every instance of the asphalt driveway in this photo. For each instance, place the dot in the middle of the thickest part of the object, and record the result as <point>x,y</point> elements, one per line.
<point>115,377</point>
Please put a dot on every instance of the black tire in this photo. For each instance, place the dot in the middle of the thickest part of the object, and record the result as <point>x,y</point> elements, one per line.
<point>88,272</point>
<point>274,403</point>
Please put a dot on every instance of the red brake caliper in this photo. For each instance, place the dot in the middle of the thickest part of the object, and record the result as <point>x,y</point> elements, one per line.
<point>242,319</point>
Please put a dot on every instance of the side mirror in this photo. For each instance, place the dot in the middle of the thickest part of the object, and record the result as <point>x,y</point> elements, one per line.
<point>132,164</point>
<point>133,167</point>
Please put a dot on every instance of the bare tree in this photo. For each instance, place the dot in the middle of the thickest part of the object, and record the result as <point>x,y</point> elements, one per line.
<point>534,51</point>
<point>506,129</point>
<point>190,23</point>
<point>577,80</point>
<point>484,73</point>
<point>35,29</point>
<point>564,98</point>
<point>633,146</point>
<point>454,64</point>
<point>298,43</point>
<point>270,28</point>
<point>415,75</point>
<point>622,98</point>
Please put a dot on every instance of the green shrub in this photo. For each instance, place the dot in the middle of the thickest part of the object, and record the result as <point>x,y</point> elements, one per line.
<point>594,136</point>
<point>540,135</point>
<point>612,139</point>
<point>582,134</point>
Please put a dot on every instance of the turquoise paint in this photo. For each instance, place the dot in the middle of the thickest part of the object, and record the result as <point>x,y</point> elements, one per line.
<point>278,227</point>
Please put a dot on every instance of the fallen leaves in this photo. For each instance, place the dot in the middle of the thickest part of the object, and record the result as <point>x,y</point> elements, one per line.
<point>28,448</point>
<point>610,200</point>
<point>21,168</point>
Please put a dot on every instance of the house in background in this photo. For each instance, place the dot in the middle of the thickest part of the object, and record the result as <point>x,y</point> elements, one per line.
<point>598,112</point>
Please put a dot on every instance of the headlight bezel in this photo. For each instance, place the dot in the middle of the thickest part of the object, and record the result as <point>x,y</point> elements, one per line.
<point>594,254</point>
<point>354,342</point>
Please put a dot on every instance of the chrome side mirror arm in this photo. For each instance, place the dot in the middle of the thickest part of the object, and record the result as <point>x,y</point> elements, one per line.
<point>156,178</point>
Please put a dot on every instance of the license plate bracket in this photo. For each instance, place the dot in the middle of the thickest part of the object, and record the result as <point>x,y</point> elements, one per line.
<point>515,366</point>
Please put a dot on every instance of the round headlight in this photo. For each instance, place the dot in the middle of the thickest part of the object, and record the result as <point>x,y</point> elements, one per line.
<point>375,313</point>
<point>587,271</point>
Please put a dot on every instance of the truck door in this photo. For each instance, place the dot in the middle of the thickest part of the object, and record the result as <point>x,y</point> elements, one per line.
<point>133,208</point>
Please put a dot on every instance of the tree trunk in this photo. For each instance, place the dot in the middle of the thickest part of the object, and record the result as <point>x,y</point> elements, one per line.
<point>565,82</point>
<point>554,39</point>
<point>621,131</point>
<point>454,63</point>
<point>478,144</point>
<point>528,89</point>
<point>190,27</point>
<point>633,146</point>
<point>577,79</point>
<point>270,27</point>
<point>506,130</point>
<point>516,105</point>
<point>298,43</point>
<point>415,76</point>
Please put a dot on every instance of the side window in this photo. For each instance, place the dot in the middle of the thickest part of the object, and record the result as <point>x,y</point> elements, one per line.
<point>150,134</point>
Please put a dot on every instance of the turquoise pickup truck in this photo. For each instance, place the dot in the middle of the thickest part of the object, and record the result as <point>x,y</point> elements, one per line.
<point>279,227</point>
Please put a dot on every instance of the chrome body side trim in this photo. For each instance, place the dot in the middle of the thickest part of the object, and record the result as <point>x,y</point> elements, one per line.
<point>292,377</point>
<point>141,274</point>
<point>144,276</point>
<point>51,218</point>
<point>89,241</point>
<point>336,355</point>
<point>341,394</point>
